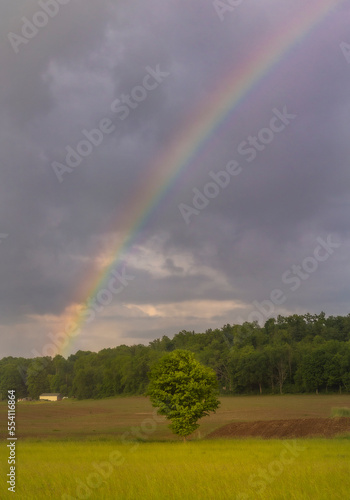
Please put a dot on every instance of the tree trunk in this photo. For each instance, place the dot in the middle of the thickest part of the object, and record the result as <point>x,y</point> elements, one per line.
<point>260,388</point>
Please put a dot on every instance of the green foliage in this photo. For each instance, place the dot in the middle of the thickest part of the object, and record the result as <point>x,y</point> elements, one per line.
<point>37,376</point>
<point>340,412</point>
<point>297,353</point>
<point>10,378</point>
<point>183,390</point>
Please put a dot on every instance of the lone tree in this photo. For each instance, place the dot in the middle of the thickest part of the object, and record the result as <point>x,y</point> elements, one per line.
<point>183,390</point>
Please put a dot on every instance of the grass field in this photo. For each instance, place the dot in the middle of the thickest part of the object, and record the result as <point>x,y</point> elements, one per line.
<point>232,469</point>
<point>91,419</point>
<point>120,449</point>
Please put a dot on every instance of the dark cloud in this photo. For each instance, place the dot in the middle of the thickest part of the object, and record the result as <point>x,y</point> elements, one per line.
<point>236,250</point>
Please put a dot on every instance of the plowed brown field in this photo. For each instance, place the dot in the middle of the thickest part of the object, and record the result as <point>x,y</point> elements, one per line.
<point>296,428</point>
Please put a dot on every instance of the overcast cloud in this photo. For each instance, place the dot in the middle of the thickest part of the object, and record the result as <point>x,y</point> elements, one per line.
<point>58,227</point>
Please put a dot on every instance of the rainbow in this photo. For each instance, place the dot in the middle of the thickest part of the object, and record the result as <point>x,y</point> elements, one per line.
<point>184,147</point>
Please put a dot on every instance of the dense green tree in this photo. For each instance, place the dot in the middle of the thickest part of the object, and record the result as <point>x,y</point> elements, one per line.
<point>163,344</point>
<point>289,353</point>
<point>212,351</point>
<point>183,390</point>
<point>61,380</point>
<point>10,379</point>
<point>313,368</point>
<point>84,383</point>
<point>249,368</point>
<point>38,376</point>
<point>258,362</point>
<point>280,358</point>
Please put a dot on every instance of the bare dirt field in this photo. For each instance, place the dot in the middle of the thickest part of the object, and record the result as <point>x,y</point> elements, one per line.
<point>110,418</point>
<point>294,428</point>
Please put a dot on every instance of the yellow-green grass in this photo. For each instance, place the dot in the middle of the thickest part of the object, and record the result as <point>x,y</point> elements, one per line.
<point>340,412</point>
<point>110,418</point>
<point>311,469</point>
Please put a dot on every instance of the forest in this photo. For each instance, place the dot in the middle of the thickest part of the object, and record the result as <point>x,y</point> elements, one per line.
<point>292,354</point>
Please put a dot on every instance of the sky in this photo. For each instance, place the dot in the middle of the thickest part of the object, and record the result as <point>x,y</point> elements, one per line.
<point>251,223</point>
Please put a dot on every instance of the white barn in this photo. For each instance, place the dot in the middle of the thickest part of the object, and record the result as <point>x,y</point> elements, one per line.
<point>50,396</point>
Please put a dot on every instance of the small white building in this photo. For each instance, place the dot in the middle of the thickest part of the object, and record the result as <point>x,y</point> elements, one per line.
<point>50,396</point>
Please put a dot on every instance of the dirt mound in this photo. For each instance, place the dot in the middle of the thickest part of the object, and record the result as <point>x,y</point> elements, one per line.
<point>305,427</point>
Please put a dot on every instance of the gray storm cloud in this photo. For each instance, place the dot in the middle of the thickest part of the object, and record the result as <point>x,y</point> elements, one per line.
<point>64,78</point>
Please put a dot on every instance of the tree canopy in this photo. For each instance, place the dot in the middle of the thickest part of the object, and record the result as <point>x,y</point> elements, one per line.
<point>289,354</point>
<point>183,390</point>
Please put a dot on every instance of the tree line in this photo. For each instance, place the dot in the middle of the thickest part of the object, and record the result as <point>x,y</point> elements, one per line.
<point>289,354</point>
